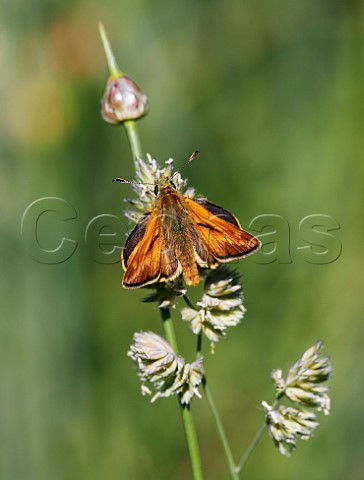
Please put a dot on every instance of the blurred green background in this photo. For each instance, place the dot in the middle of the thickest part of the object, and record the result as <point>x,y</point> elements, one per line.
<point>272,93</point>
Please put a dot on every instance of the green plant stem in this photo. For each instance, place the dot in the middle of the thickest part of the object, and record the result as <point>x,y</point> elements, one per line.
<point>187,418</point>
<point>114,70</point>
<point>169,329</point>
<point>192,442</point>
<point>220,429</point>
<point>233,470</point>
<point>252,444</point>
<point>250,448</point>
<point>133,138</point>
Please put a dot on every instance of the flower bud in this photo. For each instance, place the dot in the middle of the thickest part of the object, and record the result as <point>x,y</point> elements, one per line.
<point>122,100</point>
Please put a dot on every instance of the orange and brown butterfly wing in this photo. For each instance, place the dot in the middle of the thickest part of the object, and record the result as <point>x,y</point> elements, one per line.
<point>145,256</point>
<point>217,235</point>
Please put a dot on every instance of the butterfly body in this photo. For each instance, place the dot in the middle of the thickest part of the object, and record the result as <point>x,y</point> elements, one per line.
<point>177,232</point>
<point>177,235</point>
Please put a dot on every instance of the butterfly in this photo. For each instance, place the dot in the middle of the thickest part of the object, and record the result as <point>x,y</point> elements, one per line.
<point>178,235</point>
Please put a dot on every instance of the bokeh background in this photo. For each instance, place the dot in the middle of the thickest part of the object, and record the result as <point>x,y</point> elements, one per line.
<point>272,93</point>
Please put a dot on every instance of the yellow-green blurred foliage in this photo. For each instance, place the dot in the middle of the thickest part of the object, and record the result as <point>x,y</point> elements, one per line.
<point>272,93</point>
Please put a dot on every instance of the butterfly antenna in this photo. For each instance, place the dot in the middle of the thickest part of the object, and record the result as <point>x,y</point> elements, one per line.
<point>121,180</point>
<point>192,157</point>
<point>132,182</point>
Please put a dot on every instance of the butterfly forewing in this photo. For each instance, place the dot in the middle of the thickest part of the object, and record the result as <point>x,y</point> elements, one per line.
<point>146,257</point>
<point>218,235</point>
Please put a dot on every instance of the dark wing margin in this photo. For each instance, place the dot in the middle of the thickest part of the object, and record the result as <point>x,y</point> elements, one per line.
<point>134,238</point>
<point>218,211</point>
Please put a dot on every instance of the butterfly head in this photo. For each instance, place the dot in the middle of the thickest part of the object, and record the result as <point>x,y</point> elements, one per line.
<point>164,182</point>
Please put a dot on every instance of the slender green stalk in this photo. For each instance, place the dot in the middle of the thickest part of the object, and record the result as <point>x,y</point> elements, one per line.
<point>192,442</point>
<point>169,329</point>
<point>250,448</point>
<point>233,470</point>
<point>253,444</point>
<point>110,58</point>
<point>133,138</point>
<point>215,413</point>
<point>187,418</point>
